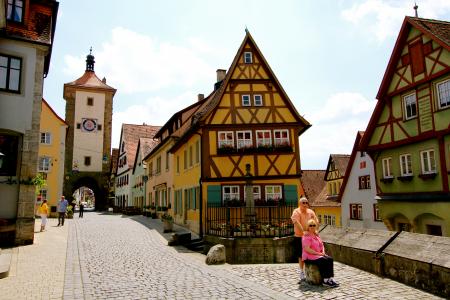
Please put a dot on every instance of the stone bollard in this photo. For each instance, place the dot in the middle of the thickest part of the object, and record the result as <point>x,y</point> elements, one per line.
<point>216,255</point>
<point>312,274</point>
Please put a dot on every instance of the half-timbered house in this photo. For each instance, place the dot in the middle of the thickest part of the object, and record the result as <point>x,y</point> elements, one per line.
<point>244,133</point>
<point>408,136</point>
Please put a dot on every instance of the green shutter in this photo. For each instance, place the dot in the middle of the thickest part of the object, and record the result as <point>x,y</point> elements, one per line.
<point>290,194</point>
<point>214,194</point>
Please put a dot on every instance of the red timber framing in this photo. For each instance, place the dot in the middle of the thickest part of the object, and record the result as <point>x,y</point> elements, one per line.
<point>423,59</point>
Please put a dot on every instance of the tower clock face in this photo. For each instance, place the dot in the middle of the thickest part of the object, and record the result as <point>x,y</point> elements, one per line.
<point>89,125</point>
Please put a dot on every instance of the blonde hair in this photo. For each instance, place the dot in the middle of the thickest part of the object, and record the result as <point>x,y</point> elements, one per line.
<point>312,222</point>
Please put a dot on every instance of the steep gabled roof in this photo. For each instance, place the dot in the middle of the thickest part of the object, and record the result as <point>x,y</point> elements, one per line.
<point>340,163</point>
<point>145,146</point>
<point>91,81</point>
<point>54,113</point>
<point>131,134</point>
<point>438,31</point>
<point>204,112</point>
<point>356,147</point>
<point>214,98</point>
<point>313,183</point>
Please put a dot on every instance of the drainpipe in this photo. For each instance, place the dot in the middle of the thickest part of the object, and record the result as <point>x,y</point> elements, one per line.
<point>201,189</point>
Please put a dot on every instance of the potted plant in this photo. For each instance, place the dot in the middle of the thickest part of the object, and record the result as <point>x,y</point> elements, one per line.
<point>69,212</point>
<point>167,220</point>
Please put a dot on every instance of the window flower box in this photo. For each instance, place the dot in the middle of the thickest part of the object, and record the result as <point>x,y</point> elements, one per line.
<point>387,179</point>
<point>405,177</point>
<point>427,176</point>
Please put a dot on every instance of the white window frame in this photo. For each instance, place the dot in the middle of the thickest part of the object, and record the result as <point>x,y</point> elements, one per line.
<point>386,164</point>
<point>46,138</point>
<point>264,141</point>
<point>281,141</point>
<point>230,192</point>
<point>358,211</point>
<point>44,164</point>
<point>407,102</point>
<point>246,100</point>
<point>12,11</point>
<point>273,195</point>
<point>376,213</point>
<point>446,92</point>
<point>248,57</point>
<point>406,164</point>
<point>428,161</point>
<point>244,141</point>
<point>225,138</point>
<point>258,100</point>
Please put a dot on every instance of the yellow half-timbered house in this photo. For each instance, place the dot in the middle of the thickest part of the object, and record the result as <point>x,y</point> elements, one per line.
<point>248,121</point>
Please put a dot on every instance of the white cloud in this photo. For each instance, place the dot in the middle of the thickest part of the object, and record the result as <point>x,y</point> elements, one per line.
<point>138,63</point>
<point>334,128</point>
<point>154,111</point>
<point>384,18</point>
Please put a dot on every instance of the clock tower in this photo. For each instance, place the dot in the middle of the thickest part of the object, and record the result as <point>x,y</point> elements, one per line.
<point>89,103</point>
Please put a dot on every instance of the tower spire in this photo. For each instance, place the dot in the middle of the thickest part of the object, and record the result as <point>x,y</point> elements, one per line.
<point>415,9</point>
<point>90,61</point>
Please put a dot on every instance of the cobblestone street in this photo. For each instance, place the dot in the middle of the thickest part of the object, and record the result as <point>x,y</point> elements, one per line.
<point>112,256</point>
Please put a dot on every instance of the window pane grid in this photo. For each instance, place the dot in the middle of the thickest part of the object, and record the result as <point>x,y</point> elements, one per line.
<point>444,94</point>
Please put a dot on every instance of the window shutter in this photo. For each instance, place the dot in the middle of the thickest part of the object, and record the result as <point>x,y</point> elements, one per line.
<point>290,194</point>
<point>214,195</point>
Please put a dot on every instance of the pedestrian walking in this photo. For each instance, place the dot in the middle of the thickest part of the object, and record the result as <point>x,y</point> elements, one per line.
<point>62,209</point>
<point>314,253</point>
<point>300,217</point>
<point>81,209</point>
<point>43,212</point>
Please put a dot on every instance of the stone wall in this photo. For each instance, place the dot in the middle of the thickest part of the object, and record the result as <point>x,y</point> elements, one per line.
<point>254,250</point>
<point>418,260</point>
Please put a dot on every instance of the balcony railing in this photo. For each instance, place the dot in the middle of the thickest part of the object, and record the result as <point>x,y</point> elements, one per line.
<point>267,221</point>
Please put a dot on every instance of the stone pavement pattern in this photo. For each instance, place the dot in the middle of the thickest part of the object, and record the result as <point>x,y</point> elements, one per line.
<point>117,257</point>
<point>37,271</point>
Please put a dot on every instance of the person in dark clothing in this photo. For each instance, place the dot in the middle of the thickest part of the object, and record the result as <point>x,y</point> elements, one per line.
<point>81,209</point>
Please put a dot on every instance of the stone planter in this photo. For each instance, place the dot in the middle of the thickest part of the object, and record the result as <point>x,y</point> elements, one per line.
<point>167,226</point>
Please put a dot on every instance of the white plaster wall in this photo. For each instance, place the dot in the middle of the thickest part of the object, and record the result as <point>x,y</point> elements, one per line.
<point>16,109</point>
<point>352,194</point>
<point>16,114</point>
<point>89,143</point>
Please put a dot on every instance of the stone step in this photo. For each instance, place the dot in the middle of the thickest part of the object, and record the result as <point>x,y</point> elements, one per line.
<point>5,262</point>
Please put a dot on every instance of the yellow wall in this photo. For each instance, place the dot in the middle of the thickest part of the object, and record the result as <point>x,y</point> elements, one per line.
<point>330,211</point>
<point>51,123</point>
<point>187,178</point>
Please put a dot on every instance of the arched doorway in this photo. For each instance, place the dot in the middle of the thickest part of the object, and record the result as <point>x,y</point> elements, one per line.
<point>86,196</point>
<point>88,190</point>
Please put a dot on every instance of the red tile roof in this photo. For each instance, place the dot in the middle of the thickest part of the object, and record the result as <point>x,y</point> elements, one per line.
<point>438,29</point>
<point>313,183</point>
<point>114,157</point>
<point>131,134</point>
<point>145,146</point>
<point>90,80</point>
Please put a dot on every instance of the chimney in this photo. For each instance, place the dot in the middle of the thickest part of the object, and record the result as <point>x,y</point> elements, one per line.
<point>221,74</point>
<point>200,97</point>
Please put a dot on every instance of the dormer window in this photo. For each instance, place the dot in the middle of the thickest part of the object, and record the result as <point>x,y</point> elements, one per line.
<point>15,10</point>
<point>248,59</point>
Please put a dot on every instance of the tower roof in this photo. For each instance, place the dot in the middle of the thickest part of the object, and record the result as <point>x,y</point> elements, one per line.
<point>89,79</point>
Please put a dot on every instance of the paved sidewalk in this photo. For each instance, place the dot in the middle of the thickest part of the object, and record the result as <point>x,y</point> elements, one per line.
<point>37,271</point>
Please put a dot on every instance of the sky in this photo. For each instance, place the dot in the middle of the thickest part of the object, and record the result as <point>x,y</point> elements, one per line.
<point>329,56</point>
